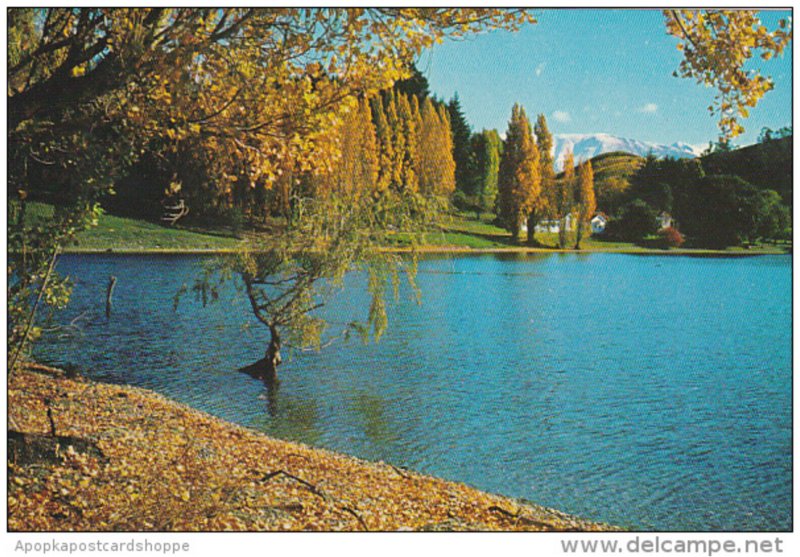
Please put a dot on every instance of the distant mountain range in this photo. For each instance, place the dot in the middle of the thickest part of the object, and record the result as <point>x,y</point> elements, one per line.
<point>588,145</point>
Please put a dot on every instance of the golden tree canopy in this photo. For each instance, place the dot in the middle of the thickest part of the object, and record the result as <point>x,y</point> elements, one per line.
<point>252,86</point>
<point>716,46</point>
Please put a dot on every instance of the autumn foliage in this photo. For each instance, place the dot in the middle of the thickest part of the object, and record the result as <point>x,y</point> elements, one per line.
<point>565,197</point>
<point>671,237</point>
<point>519,179</point>
<point>250,105</point>
<point>586,205</point>
<point>716,45</point>
<point>131,460</point>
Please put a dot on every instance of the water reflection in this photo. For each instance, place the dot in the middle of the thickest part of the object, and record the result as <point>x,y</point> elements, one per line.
<point>288,417</point>
<point>374,414</point>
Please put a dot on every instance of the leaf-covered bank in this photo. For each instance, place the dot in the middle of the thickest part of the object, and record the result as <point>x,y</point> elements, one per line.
<point>90,456</point>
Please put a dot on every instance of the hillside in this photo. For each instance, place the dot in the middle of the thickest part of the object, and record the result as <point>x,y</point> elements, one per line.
<point>767,165</point>
<point>611,177</point>
<point>586,146</point>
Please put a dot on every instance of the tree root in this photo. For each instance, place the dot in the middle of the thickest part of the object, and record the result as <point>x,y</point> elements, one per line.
<point>399,471</point>
<point>358,517</point>
<point>523,519</point>
<point>318,492</point>
<point>311,487</point>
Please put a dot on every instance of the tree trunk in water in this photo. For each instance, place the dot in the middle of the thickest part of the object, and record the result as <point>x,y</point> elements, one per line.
<point>266,368</point>
<point>272,359</point>
<point>112,282</point>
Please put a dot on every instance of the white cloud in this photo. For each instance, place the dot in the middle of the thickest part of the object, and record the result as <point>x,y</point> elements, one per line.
<point>539,69</point>
<point>648,108</point>
<point>561,116</point>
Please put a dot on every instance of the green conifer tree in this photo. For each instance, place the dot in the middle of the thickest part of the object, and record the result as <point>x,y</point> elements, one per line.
<point>415,85</point>
<point>461,134</point>
<point>486,149</point>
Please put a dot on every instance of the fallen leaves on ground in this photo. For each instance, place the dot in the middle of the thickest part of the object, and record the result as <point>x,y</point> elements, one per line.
<point>136,461</point>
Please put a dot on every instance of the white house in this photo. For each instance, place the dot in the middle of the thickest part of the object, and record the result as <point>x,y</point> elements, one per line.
<point>599,222</point>
<point>665,220</point>
<point>554,225</point>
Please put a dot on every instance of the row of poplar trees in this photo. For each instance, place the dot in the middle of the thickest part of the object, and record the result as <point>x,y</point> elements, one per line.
<point>393,141</point>
<point>529,191</point>
<point>390,140</point>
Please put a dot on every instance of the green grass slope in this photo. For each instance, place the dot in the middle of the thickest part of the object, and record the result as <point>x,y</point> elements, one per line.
<point>124,234</point>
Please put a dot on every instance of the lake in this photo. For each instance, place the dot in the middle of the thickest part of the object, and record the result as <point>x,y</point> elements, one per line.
<point>648,392</point>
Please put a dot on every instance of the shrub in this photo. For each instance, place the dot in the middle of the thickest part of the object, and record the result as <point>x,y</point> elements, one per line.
<point>670,237</point>
<point>638,220</point>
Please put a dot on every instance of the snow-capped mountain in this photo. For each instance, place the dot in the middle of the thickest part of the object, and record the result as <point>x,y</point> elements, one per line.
<point>587,145</point>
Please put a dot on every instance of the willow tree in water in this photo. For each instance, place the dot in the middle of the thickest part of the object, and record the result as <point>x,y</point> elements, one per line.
<point>288,283</point>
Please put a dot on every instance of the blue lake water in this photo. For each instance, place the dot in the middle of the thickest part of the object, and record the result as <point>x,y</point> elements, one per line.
<point>649,392</point>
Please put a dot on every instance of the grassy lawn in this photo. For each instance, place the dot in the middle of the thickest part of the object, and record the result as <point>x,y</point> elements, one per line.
<point>465,231</point>
<point>460,231</point>
<point>124,234</point>
<point>129,234</point>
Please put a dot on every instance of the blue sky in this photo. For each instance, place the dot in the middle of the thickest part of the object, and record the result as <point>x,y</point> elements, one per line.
<point>595,71</point>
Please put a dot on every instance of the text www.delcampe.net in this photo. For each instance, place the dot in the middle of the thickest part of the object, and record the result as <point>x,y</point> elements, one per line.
<point>657,544</point>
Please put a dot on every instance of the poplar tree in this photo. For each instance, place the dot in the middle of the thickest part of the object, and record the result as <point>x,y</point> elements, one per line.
<point>398,141</point>
<point>532,176</point>
<point>430,148</point>
<point>586,200</point>
<point>408,128</point>
<point>565,197</point>
<point>423,143</point>
<point>446,160</point>
<point>436,167</point>
<point>383,135</point>
<point>416,111</point>
<point>357,170</point>
<point>544,141</point>
<point>519,180</point>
